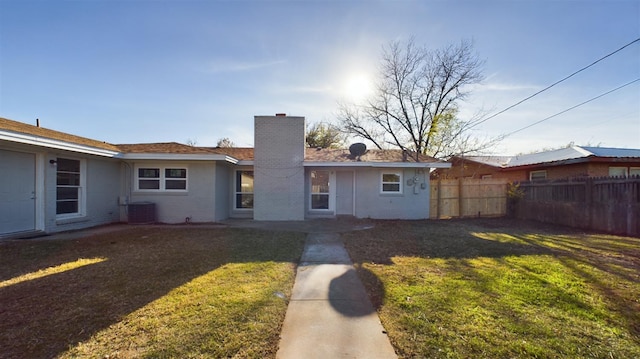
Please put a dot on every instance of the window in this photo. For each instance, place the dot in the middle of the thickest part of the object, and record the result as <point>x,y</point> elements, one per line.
<point>69,187</point>
<point>161,179</point>
<point>537,175</point>
<point>148,178</point>
<point>320,189</point>
<point>175,178</point>
<point>617,171</point>
<point>634,171</point>
<point>391,182</point>
<point>244,189</point>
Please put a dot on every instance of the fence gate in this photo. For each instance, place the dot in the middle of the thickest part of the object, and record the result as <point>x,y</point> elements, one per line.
<point>459,198</point>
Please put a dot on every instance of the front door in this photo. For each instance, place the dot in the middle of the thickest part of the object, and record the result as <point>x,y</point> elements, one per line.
<point>17,192</point>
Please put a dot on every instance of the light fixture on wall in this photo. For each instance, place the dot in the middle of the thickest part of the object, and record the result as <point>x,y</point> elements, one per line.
<point>53,162</point>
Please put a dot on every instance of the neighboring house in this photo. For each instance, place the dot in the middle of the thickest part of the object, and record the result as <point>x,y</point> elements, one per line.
<point>565,163</point>
<point>53,181</point>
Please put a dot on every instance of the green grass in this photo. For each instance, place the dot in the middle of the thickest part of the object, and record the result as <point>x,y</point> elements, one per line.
<point>147,292</point>
<point>501,289</point>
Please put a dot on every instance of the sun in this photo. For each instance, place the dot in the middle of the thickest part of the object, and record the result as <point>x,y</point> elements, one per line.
<point>357,87</point>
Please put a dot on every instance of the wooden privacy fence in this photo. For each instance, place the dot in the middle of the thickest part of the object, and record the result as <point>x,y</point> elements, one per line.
<point>604,204</point>
<point>468,198</point>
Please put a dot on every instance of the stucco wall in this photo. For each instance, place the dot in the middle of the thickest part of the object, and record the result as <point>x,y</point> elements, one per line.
<point>279,175</point>
<point>413,203</point>
<point>223,188</point>
<point>197,203</point>
<point>102,187</point>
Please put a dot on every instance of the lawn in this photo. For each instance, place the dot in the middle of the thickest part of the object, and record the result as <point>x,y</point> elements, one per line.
<point>501,289</point>
<point>147,292</point>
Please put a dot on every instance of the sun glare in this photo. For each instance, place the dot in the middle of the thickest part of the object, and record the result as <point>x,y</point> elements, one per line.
<point>358,86</point>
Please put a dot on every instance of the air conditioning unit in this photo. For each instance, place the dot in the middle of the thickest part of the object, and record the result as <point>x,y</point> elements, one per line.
<point>142,212</point>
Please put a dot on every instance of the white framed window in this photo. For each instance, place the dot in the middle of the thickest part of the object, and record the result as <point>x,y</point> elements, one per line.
<point>634,171</point>
<point>70,187</point>
<point>618,171</point>
<point>538,175</point>
<point>170,179</point>
<point>320,190</point>
<point>244,190</point>
<point>391,182</point>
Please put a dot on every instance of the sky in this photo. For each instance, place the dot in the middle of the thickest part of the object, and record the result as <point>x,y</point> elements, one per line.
<point>198,71</point>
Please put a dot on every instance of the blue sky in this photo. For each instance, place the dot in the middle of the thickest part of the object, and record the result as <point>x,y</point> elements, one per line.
<point>160,71</point>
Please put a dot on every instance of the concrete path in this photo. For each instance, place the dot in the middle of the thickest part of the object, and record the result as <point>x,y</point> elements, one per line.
<point>329,314</point>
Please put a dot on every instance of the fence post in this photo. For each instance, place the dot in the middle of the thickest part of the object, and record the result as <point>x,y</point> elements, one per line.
<point>460,197</point>
<point>439,198</point>
<point>588,201</point>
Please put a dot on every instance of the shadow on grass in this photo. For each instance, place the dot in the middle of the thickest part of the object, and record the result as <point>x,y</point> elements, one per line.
<point>44,317</point>
<point>606,264</point>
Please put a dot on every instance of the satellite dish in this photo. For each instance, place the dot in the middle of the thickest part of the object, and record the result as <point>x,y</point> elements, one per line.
<point>357,149</point>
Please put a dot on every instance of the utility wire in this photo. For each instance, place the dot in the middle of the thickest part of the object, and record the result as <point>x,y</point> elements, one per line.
<point>555,83</point>
<point>569,109</point>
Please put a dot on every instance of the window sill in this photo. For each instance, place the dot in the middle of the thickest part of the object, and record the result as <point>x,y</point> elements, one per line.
<point>71,219</point>
<point>162,193</point>
<point>390,194</point>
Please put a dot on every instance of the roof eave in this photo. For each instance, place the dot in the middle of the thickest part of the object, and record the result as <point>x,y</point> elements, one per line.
<point>178,157</point>
<point>378,164</point>
<point>57,144</point>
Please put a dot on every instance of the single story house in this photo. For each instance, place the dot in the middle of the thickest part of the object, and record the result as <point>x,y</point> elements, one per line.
<point>53,181</point>
<point>566,163</point>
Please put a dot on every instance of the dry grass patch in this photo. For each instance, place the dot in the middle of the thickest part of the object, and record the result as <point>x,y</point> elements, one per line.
<point>154,292</point>
<point>497,289</point>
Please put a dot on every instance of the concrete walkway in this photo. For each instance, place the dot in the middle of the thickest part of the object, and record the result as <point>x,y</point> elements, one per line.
<point>329,314</point>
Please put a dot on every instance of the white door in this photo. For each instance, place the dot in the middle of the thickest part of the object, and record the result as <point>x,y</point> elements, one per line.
<point>17,191</point>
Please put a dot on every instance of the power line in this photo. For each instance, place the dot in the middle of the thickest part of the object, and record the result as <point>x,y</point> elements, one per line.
<point>555,83</point>
<point>569,109</point>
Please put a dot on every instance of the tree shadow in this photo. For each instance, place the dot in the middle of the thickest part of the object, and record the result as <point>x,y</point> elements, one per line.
<point>457,242</point>
<point>45,316</point>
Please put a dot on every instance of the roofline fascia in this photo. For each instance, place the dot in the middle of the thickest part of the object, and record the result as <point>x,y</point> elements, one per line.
<point>379,164</point>
<point>55,144</point>
<point>178,156</point>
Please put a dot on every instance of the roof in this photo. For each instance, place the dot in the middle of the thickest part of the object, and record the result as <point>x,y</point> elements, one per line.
<point>240,153</point>
<point>555,156</point>
<point>163,147</point>
<point>22,132</point>
<point>374,155</point>
<point>25,133</point>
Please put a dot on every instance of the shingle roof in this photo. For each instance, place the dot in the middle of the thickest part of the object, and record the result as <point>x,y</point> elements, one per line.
<point>30,130</point>
<point>239,153</point>
<point>163,147</point>
<point>372,155</point>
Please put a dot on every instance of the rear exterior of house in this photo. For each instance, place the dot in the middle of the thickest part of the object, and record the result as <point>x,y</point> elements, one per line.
<point>56,182</point>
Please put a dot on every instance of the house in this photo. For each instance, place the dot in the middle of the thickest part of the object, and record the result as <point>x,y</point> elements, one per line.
<point>566,163</point>
<point>54,181</point>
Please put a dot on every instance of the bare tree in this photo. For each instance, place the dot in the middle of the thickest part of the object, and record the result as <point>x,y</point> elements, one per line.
<point>322,135</point>
<point>191,142</point>
<point>415,105</point>
<point>225,142</point>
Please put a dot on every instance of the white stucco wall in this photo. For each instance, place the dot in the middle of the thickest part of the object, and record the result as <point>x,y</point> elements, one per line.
<point>101,191</point>
<point>413,203</point>
<point>197,203</point>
